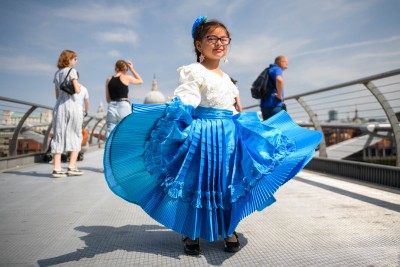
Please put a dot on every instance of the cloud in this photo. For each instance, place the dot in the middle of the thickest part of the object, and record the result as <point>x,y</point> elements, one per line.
<point>321,39</point>
<point>314,12</point>
<point>233,8</point>
<point>348,46</point>
<point>114,53</point>
<point>119,36</point>
<point>24,64</point>
<point>259,50</point>
<point>125,14</point>
<point>379,55</point>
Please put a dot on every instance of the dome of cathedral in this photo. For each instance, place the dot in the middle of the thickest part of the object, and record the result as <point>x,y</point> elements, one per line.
<point>154,96</point>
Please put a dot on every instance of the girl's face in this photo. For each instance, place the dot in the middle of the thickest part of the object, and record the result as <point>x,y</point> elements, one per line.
<point>73,61</point>
<point>214,45</point>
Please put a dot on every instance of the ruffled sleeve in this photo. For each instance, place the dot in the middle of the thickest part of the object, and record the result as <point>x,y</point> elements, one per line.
<point>190,82</point>
<point>73,74</point>
<point>235,90</point>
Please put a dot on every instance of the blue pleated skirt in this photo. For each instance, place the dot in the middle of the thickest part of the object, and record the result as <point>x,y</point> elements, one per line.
<point>200,171</point>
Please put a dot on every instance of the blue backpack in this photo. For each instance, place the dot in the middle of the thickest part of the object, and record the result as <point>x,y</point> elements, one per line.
<point>260,88</point>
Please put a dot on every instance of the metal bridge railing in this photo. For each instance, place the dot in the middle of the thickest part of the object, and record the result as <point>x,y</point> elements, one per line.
<point>359,119</point>
<point>367,107</point>
<point>370,102</point>
<point>26,129</point>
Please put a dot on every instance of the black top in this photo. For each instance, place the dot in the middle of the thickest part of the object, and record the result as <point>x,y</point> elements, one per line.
<point>117,89</point>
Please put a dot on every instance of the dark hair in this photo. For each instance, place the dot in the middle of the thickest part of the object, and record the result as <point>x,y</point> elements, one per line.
<point>202,30</point>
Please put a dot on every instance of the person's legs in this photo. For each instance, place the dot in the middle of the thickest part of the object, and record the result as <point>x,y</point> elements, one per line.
<point>58,172</point>
<point>191,247</point>
<point>115,113</point>
<point>72,169</point>
<point>57,161</point>
<point>74,142</point>
<point>268,112</point>
<point>284,107</point>
<point>124,109</point>
<point>232,244</point>
<point>57,141</point>
<point>73,157</point>
<point>112,117</point>
<point>232,238</point>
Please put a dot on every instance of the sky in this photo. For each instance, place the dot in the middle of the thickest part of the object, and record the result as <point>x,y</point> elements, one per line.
<point>326,42</point>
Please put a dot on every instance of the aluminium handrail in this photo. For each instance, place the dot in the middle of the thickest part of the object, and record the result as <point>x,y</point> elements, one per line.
<point>376,93</point>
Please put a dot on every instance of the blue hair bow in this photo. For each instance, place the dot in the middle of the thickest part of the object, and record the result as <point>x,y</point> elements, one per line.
<point>199,20</point>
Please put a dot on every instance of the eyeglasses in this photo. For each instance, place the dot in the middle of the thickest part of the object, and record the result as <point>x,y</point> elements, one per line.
<point>212,39</point>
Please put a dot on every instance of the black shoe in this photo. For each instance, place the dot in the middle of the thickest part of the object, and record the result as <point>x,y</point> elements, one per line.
<point>59,173</point>
<point>74,171</point>
<point>232,247</point>
<point>191,249</point>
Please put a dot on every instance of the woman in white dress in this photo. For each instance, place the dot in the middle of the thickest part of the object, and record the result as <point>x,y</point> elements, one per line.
<point>67,117</point>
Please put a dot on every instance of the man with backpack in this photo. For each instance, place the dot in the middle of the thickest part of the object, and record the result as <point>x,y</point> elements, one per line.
<point>273,103</point>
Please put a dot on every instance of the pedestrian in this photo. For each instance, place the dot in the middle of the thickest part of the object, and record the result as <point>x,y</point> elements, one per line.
<point>274,102</point>
<point>117,93</point>
<point>196,164</point>
<point>67,117</point>
<point>84,99</point>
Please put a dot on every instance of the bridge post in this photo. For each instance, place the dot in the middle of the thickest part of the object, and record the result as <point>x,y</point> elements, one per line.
<point>13,146</point>
<point>394,122</point>
<point>94,128</point>
<point>317,125</point>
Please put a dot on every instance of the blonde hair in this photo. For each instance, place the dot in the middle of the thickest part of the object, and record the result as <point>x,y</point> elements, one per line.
<point>121,65</point>
<point>65,57</point>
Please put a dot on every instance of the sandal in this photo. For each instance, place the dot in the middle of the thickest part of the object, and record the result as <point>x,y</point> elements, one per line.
<point>232,247</point>
<point>191,249</point>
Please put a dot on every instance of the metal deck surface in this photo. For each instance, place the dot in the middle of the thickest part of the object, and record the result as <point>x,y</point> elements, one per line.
<point>77,221</point>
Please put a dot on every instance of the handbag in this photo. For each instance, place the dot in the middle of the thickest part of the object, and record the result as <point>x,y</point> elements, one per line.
<point>67,87</point>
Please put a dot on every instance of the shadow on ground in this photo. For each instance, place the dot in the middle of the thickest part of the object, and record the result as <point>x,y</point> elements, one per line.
<point>152,239</point>
<point>374,201</point>
<point>41,174</point>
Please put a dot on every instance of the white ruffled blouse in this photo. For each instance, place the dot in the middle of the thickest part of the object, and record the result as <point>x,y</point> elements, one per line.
<point>199,86</point>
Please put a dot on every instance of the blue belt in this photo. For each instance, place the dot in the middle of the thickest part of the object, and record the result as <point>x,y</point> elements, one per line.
<point>212,113</point>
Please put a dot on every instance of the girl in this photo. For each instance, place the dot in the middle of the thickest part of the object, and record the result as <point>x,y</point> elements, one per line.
<point>196,165</point>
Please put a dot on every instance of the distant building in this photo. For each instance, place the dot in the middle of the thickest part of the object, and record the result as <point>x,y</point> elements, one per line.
<point>333,115</point>
<point>154,96</point>
<point>13,118</point>
<point>356,118</point>
<point>30,138</point>
<point>100,111</point>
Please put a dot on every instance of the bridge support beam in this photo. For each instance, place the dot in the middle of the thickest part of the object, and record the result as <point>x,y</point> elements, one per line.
<point>317,125</point>
<point>14,140</point>
<point>394,122</point>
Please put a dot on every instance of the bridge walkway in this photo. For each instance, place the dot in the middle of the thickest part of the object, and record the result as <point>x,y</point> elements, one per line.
<point>318,220</point>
